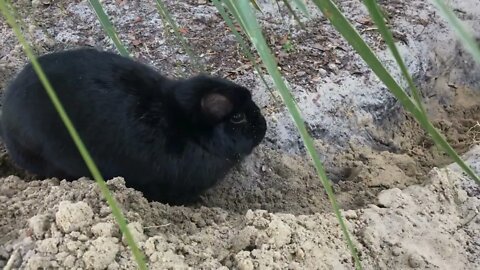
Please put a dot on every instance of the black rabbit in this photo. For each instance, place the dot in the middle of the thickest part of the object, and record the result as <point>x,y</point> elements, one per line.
<point>170,139</point>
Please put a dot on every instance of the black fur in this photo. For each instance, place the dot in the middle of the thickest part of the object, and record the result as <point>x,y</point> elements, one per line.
<point>170,139</point>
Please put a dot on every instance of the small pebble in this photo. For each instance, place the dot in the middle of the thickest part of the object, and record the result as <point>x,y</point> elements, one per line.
<point>73,216</point>
<point>415,261</point>
<point>104,229</point>
<point>39,225</point>
<point>101,253</point>
<point>350,214</point>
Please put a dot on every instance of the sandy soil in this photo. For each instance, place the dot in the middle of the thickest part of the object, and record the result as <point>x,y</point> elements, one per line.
<point>272,212</point>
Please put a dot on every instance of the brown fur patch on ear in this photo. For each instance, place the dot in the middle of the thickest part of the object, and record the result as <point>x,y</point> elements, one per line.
<point>216,105</point>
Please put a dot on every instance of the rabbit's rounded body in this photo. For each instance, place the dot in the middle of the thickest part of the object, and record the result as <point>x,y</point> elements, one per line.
<point>155,132</point>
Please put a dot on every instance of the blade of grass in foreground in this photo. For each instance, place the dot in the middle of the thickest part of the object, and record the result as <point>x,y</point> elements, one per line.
<point>235,14</point>
<point>117,213</point>
<point>378,18</point>
<point>301,5</point>
<point>333,14</point>
<point>460,29</point>
<point>250,23</point>
<point>292,11</point>
<point>162,9</point>
<point>255,4</point>
<point>108,27</point>
<point>242,43</point>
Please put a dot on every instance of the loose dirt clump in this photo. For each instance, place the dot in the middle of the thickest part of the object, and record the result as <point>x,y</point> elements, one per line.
<point>396,231</point>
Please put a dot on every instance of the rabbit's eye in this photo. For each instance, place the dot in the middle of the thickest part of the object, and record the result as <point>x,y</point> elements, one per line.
<point>238,118</point>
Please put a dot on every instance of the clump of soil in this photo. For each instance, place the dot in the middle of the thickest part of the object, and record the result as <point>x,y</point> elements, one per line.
<point>71,226</point>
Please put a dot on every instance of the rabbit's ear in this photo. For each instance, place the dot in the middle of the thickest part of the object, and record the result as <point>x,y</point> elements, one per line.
<point>216,106</point>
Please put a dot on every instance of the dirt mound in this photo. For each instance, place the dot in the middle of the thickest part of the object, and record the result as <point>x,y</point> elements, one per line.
<point>70,226</point>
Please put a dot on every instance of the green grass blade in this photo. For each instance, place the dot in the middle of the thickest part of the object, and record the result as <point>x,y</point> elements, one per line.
<point>379,20</point>
<point>295,15</point>
<point>108,27</point>
<point>463,33</point>
<point>302,6</point>
<point>162,9</point>
<point>117,213</point>
<point>341,24</point>
<point>242,43</point>
<point>235,14</point>
<point>255,4</point>
<point>250,22</point>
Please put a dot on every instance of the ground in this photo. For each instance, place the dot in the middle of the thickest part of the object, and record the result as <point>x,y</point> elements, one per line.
<point>272,211</point>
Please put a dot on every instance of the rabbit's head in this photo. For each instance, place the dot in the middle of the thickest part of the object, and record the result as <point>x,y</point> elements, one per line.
<point>221,115</point>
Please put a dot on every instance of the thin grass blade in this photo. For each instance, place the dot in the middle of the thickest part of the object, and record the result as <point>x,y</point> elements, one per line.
<point>251,25</point>
<point>460,29</point>
<point>292,11</point>
<point>341,24</point>
<point>162,9</point>
<point>117,213</point>
<point>235,14</point>
<point>108,27</point>
<point>255,4</point>
<point>300,4</point>
<point>379,20</point>
<point>242,43</point>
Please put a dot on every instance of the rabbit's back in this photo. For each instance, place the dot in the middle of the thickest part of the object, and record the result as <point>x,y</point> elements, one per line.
<point>170,139</point>
<point>95,101</point>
